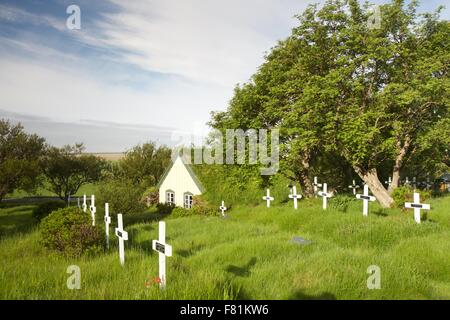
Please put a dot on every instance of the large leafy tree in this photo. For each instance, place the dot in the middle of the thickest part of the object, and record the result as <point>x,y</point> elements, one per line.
<point>68,168</point>
<point>338,89</point>
<point>144,164</point>
<point>19,158</point>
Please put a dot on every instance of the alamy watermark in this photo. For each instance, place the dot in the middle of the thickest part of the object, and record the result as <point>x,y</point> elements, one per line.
<point>73,22</point>
<point>374,280</point>
<point>237,147</point>
<point>74,280</point>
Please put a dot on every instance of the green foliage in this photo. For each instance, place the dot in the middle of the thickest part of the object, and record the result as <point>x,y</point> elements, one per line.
<point>144,164</point>
<point>122,195</point>
<point>342,202</point>
<point>67,169</point>
<point>179,212</point>
<point>45,208</point>
<point>19,155</point>
<point>150,196</point>
<point>164,208</point>
<point>405,194</point>
<point>201,207</point>
<point>70,233</point>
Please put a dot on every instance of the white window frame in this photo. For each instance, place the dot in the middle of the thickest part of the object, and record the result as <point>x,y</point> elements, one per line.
<point>187,202</point>
<point>170,197</point>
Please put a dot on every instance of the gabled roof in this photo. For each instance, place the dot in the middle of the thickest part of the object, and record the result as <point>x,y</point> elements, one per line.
<point>189,170</point>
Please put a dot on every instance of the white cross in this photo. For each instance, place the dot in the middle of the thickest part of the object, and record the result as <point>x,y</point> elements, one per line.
<point>223,208</point>
<point>354,186</point>
<point>324,196</point>
<point>389,182</point>
<point>366,198</point>
<point>78,203</point>
<point>122,235</point>
<point>84,205</point>
<point>93,209</point>
<point>316,185</point>
<point>164,250</point>
<point>417,206</point>
<point>295,196</point>
<point>407,182</point>
<point>268,198</point>
<point>414,182</point>
<point>107,223</point>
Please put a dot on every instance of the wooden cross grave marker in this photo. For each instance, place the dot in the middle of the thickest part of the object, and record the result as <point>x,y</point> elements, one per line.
<point>122,235</point>
<point>295,196</point>
<point>93,209</point>
<point>164,250</point>
<point>324,196</point>
<point>223,208</point>
<point>417,206</point>
<point>366,198</point>
<point>354,186</point>
<point>316,186</point>
<point>107,223</point>
<point>84,205</point>
<point>268,198</point>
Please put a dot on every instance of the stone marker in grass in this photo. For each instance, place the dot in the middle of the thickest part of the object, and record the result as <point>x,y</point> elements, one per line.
<point>417,206</point>
<point>325,195</point>
<point>268,198</point>
<point>365,198</point>
<point>122,235</point>
<point>295,196</point>
<point>300,240</point>
<point>164,250</point>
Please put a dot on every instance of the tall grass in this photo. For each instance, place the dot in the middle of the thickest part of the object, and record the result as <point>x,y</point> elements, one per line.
<point>250,255</point>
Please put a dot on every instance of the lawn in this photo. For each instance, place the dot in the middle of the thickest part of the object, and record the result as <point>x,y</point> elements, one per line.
<point>249,255</point>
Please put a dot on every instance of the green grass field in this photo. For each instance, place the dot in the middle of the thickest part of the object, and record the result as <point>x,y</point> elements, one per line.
<point>247,256</point>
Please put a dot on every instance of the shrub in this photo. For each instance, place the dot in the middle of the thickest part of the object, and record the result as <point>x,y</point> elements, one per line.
<point>45,208</point>
<point>123,196</point>
<point>69,232</point>
<point>405,194</point>
<point>150,197</point>
<point>178,212</point>
<point>201,207</point>
<point>164,208</point>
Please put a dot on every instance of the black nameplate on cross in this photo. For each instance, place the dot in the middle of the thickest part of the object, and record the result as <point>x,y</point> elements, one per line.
<point>160,247</point>
<point>413,205</point>
<point>119,234</point>
<point>365,197</point>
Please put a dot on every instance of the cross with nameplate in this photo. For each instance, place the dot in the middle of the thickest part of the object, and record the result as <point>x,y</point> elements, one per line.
<point>268,198</point>
<point>122,235</point>
<point>223,208</point>
<point>389,182</point>
<point>107,223</point>
<point>417,206</point>
<point>295,196</point>
<point>93,209</point>
<point>325,195</point>
<point>354,186</point>
<point>164,250</point>
<point>316,185</point>
<point>366,198</point>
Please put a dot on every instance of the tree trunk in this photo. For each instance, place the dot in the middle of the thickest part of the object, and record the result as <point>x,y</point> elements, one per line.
<point>304,180</point>
<point>399,164</point>
<point>370,177</point>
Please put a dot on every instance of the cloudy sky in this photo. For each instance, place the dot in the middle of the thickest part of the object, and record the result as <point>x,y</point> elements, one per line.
<point>136,70</point>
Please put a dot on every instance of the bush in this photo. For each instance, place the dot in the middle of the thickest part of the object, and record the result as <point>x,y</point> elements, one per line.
<point>201,207</point>
<point>165,208</point>
<point>179,212</point>
<point>150,197</point>
<point>122,196</point>
<point>45,208</point>
<point>69,232</point>
<point>405,194</point>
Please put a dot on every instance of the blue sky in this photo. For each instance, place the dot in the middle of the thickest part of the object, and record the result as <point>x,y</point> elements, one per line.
<point>144,65</point>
